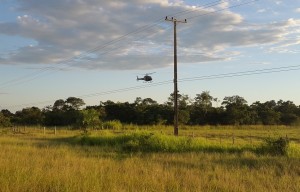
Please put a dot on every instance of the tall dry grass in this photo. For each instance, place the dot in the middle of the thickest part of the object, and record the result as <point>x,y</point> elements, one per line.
<point>37,162</point>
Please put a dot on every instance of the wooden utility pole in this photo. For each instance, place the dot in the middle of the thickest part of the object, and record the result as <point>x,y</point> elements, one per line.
<point>175,21</point>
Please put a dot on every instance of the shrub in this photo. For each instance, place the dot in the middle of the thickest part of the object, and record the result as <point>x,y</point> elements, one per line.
<point>150,142</point>
<point>115,124</point>
<point>277,146</point>
<point>144,141</point>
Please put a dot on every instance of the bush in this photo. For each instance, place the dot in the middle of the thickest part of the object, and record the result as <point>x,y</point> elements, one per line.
<point>277,146</point>
<point>150,142</point>
<point>115,124</point>
<point>144,141</point>
<point>4,121</point>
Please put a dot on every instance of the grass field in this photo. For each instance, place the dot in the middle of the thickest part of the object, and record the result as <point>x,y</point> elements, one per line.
<point>201,159</point>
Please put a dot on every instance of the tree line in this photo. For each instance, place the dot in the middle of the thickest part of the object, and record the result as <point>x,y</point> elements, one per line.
<point>233,110</point>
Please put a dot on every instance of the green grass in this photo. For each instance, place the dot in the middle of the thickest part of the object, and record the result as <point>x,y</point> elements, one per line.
<point>152,160</point>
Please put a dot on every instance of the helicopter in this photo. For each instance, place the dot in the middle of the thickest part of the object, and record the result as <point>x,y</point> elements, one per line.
<point>146,78</point>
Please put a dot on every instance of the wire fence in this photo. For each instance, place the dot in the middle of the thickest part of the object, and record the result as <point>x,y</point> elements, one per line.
<point>207,135</point>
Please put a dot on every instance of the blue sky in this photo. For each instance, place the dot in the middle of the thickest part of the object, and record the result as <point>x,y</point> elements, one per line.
<point>95,49</point>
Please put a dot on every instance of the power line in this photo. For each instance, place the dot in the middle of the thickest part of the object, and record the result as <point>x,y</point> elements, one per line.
<point>34,75</point>
<point>197,78</point>
<point>137,31</point>
<point>205,6</point>
<point>233,6</point>
<point>244,73</point>
<point>90,51</point>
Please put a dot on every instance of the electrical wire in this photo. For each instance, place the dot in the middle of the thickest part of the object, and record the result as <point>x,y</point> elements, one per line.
<point>98,48</point>
<point>197,78</point>
<point>205,6</point>
<point>219,10</point>
<point>66,67</point>
<point>30,77</point>
<point>90,51</point>
<point>244,73</point>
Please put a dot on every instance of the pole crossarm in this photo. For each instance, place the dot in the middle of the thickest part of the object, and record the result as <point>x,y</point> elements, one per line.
<point>175,21</point>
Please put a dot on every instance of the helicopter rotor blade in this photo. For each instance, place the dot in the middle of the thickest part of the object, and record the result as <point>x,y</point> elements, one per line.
<point>150,73</point>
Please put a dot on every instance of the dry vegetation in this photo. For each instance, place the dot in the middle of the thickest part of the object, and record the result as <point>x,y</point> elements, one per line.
<point>34,161</point>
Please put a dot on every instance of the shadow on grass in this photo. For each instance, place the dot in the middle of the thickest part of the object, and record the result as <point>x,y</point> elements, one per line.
<point>145,142</point>
<point>280,166</point>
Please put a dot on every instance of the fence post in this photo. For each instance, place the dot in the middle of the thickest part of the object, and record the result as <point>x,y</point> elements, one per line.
<point>55,130</point>
<point>44,130</point>
<point>232,139</point>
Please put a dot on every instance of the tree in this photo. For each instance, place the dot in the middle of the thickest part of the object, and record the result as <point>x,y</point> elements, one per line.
<point>138,101</point>
<point>100,111</point>
<point>153,115</point>
<point>4,121</point>
<point>204,99</point>
<point>234,100</point>
<point>90,118</point>
<point>237,111</point>
<point>183,107</point>
<point>74,103</point>
<point>183,100</point>
<point>55,118</point>
<point>73,117</point>
<point>201,107</point>
<point>29,116</point>
<point>58,105</point>
<point>64,112</point>
<point>149,101</point>
<point>147,111</point>
<point>7,113</point>
<point>288,112</point>
<point>124,112</point>
<point>266,112</point>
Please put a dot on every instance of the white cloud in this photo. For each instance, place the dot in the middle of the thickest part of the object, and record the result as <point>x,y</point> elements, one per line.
<point>63,30</point>
<point>261,11</point>
<point>297,10</point>
<point>284,46</point>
